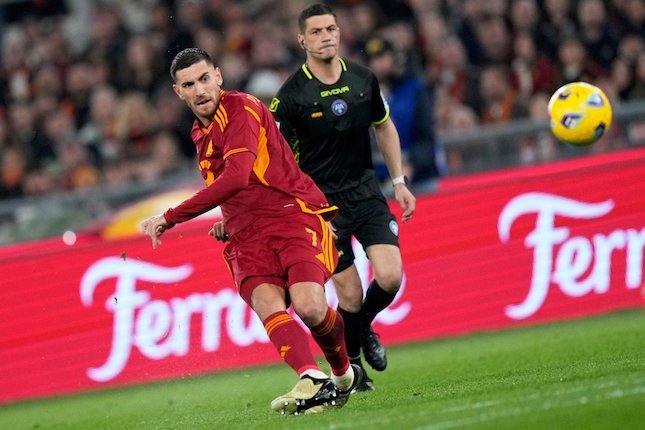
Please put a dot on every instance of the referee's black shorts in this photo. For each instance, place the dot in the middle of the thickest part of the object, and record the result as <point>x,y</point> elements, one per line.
<point>364,214</point>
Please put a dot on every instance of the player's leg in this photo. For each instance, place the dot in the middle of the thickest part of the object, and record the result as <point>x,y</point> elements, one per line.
<point>350,300</point>
<point>247,255</point>
<point>307,253</point>
<point>326,326</point>
<point>378,233</point>
<point>388,274</point>
<point>349,291</point>
<point>314,390</point>
<point>290,340</point>
<point>386,263</point>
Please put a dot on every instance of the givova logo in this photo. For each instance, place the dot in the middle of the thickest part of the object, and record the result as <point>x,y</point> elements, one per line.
<point>334,91</point>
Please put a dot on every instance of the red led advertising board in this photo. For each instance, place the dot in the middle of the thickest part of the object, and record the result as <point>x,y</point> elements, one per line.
<point>487,252</point>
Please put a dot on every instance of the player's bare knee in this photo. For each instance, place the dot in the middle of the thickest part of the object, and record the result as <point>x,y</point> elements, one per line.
<point>390,282</point>
<point>311,313</point>
<point>260,304</point>
<point>350,299</point>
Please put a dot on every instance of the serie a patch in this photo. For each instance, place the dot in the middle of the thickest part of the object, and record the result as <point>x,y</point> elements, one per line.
<point>394,228</point>
<point>339,107</point>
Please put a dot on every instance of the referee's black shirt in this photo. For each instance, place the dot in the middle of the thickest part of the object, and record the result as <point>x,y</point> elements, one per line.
<point>328,126</point>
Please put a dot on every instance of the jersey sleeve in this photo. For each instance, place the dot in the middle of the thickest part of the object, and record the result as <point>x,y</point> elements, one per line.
<point>380,107</point>
<point>234,177</point>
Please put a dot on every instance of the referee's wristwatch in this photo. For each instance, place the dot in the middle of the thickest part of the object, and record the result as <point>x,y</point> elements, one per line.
<point>400,180</point>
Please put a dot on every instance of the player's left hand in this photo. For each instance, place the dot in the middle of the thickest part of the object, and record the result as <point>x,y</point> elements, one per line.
<point>154,227</point>
<point>407,201</point>
<point>332,227</point>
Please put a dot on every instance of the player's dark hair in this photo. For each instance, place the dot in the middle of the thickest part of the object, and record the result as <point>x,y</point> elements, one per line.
<point>313,10</point>
<point>187,58</point>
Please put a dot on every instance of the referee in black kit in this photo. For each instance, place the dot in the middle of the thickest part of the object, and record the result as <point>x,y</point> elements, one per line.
<point>325,110</point>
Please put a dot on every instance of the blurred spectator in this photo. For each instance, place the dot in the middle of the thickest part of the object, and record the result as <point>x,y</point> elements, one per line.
<point>367,20</point>
<point>524,17</point>
<point>498,101</point>
<point>433,31</point>
<point>87,72</point>
<point>468,15</point>
<point>495,39</point>
<point>556,26</point>
<point>634,18</point>
<point>107,40</point>
<point>622,74</point>
<point>532,72</point>
<point>599,38</point>
<point>457,117</point>
<point>165,158</point>
<point>412,110</point>
<point>638,91</point>
<point>175,119</point>
<point>13,168</point>
<point>37,148</point>
<point>139,67</point>
<point>574,63</point>
<point>134,125</point>
<point>98,134</point>
<point>449,70</point>
<point>541,146</point>
<point>76,169</point>
<point>78,85</point>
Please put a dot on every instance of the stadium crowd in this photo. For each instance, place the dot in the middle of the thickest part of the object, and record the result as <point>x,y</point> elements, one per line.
<point>86,96</point>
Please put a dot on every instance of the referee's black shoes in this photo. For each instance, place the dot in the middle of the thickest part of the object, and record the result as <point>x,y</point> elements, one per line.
<point>373,350</point>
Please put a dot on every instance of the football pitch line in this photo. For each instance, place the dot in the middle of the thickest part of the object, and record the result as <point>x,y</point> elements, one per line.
<point>516,406</point>
<point>559,392</point>
<point>538,403</point>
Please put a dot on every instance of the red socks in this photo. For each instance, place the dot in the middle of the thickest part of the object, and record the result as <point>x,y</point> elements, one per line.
<point>330,336</point>
<point>291,341</point>
<point>293,345</point>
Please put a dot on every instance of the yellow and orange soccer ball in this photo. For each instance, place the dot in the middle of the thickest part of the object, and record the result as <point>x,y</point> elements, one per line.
<point>579,113</point>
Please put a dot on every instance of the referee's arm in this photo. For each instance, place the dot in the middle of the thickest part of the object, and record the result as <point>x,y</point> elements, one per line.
<point>387,139</point>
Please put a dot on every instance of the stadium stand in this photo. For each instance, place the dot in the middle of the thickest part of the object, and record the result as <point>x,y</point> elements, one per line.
<point>87,114</point>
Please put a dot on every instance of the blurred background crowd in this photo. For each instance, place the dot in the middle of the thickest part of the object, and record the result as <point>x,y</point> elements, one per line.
<point>86,97</point>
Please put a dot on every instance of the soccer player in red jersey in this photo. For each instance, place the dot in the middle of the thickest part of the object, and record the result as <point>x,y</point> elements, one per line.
<point>280,249</point>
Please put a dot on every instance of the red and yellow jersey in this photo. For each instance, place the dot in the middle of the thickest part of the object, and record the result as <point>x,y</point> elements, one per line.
<point>243,125</point>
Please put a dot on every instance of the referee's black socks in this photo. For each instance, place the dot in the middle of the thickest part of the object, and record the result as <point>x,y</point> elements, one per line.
<point>353,325</point>
<point>376,299</point>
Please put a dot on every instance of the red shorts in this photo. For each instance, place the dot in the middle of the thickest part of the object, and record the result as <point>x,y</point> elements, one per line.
<point>281,251</point>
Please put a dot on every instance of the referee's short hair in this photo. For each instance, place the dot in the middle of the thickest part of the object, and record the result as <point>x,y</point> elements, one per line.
<point>313,10</point>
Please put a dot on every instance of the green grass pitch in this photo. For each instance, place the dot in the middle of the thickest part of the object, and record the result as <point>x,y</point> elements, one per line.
<point>582,374</point>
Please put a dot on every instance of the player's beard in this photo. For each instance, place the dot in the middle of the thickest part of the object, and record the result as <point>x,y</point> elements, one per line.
<point>206,111</point>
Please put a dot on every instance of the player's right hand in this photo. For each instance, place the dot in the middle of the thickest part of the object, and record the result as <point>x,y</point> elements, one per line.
<point>154,227</point>
<point>219,232</point>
